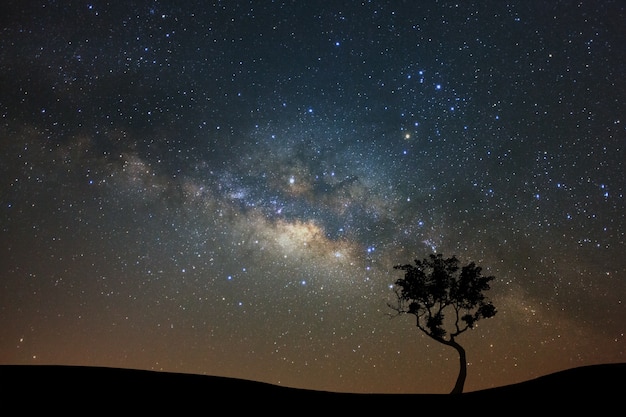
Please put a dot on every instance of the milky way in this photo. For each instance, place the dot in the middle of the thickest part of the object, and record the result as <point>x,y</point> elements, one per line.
<point>225,188</point>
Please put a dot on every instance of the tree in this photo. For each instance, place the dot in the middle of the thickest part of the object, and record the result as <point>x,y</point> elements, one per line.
<point>436,286</point>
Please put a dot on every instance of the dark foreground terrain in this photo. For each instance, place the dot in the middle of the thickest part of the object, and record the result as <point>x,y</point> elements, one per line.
<point>89,391</point>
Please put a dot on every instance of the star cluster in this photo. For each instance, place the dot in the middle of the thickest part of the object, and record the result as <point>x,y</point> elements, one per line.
<point>224,188</point>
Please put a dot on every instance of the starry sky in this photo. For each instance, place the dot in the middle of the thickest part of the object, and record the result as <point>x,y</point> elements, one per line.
<point>224,187</point>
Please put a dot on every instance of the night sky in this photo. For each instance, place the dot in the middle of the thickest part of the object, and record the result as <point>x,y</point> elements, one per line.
<point>224,187</point>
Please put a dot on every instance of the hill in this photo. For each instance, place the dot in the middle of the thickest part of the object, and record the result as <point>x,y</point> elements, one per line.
<point>92,389</point>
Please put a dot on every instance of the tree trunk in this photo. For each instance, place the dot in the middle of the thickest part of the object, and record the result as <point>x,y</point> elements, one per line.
<point>460,380</point>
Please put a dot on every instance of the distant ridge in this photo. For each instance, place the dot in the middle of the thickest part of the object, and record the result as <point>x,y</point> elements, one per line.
<point>71,388</point>
<point>602,380</point>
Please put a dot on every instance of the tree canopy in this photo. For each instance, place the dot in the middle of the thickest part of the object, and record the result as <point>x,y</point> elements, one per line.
<point>436,286</point>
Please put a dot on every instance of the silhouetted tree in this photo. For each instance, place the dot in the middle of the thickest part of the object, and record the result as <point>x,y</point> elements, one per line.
<point>436,286</point>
